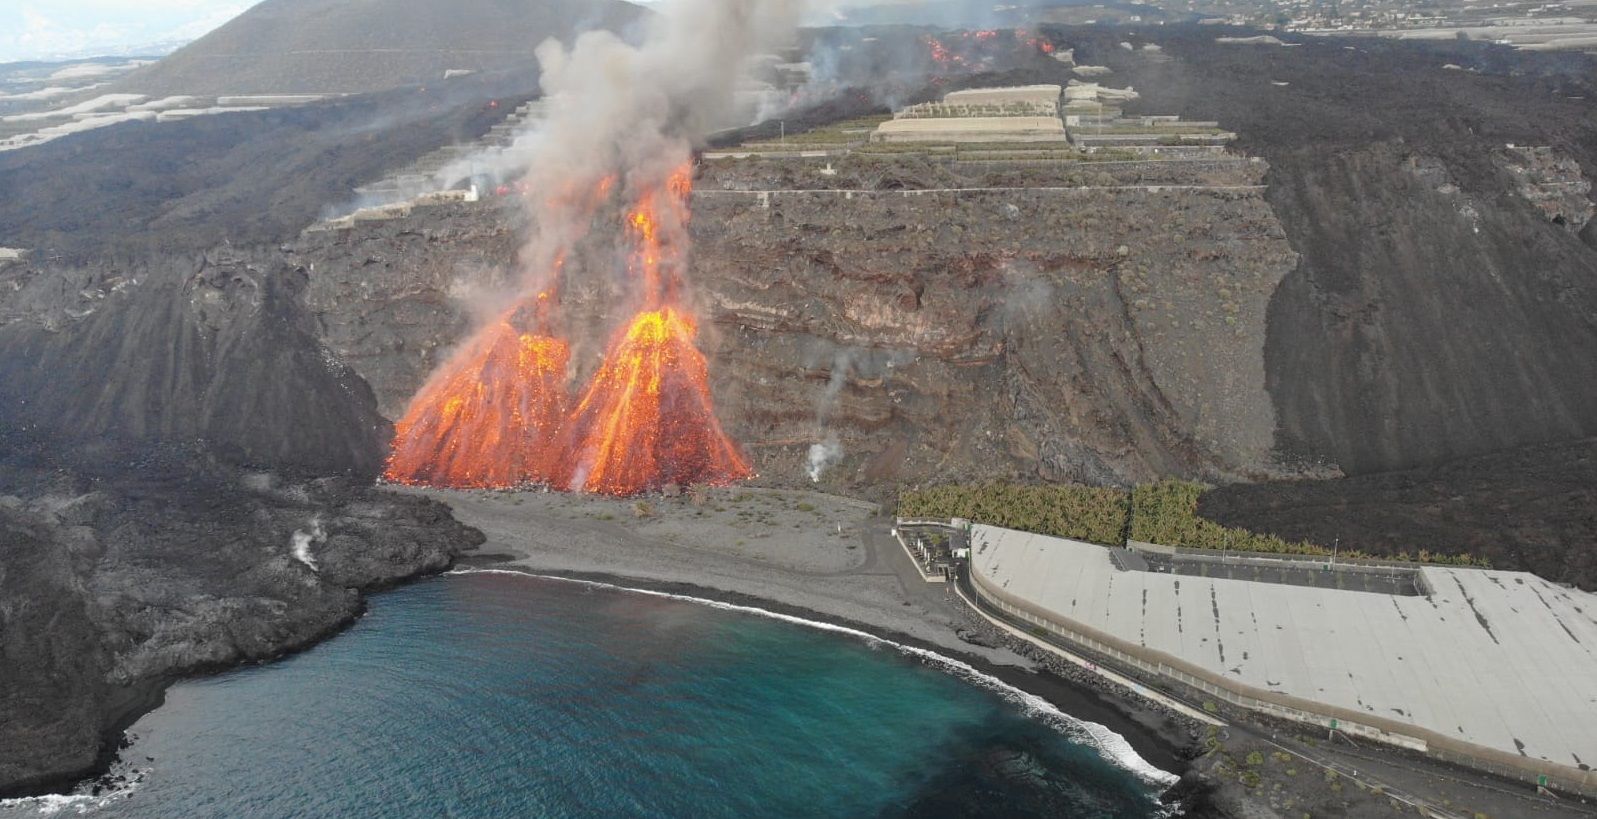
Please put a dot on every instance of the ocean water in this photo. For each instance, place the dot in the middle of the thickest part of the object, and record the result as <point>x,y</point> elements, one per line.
<point>493,694</point>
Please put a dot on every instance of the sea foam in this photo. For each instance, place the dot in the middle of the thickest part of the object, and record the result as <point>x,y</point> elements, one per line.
<point>1107,743</point>
<point>77,803</point>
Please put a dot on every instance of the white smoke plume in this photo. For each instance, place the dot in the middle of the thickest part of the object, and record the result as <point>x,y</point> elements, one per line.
<point>866,363</point>
<point>822,455</point>
<point>830,450</point>
<point>631,114</point>
<point>300,543</point>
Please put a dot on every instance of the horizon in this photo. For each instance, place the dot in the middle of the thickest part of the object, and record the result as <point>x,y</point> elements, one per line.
<point>66,30</point>
<point>82,29</point>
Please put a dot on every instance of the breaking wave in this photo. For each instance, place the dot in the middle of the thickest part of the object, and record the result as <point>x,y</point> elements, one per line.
<point>1107,743</point>
<point>76,804</point>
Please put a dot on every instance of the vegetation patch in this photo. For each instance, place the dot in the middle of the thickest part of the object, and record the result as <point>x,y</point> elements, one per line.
<point>1164,513</point>
<point>1092,514</point>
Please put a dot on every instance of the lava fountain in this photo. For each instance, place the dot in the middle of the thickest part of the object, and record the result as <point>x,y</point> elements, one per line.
<point>491,416</point>
<point>622,118</point>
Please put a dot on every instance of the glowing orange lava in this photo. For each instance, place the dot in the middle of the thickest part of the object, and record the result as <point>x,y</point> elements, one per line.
<point>489,418</point>
<point>975,49</point>
<point>495,414</point>
<point>647,419</point>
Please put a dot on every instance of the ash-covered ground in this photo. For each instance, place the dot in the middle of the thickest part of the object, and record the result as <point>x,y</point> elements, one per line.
<point>1368,286</point>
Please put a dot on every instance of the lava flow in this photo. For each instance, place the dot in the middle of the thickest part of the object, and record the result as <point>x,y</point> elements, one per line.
<point>491,417</point>
<point>495,415</point>
<point>974,50</point>
<point>647,419</point>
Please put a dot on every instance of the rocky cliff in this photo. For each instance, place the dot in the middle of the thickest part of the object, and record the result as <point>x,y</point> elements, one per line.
<point>134,546</point>
<point>1106,332</point>
<point>116,581</point>
<point>1444,304</point>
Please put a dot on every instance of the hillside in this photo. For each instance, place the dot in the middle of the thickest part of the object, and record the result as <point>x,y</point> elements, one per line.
<point>242,178</point>
<point>1393,295</point>
<point>1437,311</point>
<point>339,47</point>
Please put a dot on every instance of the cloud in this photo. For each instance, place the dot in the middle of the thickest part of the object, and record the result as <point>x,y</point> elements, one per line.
<point>67,29</point>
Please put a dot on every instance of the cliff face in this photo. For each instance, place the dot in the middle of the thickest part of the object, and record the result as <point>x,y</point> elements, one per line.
<point>390,298</point>
<point>1105,334</point>
<point>1108,333</point>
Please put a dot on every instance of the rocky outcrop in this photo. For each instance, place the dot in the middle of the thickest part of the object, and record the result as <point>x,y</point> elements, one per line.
<point>1552,182</point>
<point>136,547</point>
<point>114,586</point>
<point>391,297</point>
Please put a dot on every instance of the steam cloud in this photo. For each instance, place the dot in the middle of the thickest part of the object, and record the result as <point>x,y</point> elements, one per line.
<point>300,543</point>
<point>868,363</point>
<point>829,451</point>
<point>823,455</point>
<point>622,121</point>
<point>634,112</point>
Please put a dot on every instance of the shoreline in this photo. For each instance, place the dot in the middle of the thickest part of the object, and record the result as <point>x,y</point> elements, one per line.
<point>131,702</point>
<point>1159,738</point>
<point>798,553</point>
<point>1158,748</point>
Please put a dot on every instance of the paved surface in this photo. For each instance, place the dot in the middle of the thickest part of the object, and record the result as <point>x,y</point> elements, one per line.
<point>1500,659</point>
<point>1265,571</point>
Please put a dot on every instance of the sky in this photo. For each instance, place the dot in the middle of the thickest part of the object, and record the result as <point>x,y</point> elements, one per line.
<point>68,29</point>
<point>65,29</point>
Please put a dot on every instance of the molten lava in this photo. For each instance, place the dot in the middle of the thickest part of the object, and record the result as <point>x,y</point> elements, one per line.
<point>647,419</point>
<point>495,414</point>
<point>491,417</point>
<point>972,50</point>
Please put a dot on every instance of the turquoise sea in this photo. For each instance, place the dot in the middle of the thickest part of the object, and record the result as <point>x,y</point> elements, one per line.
<point>494,694</point>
